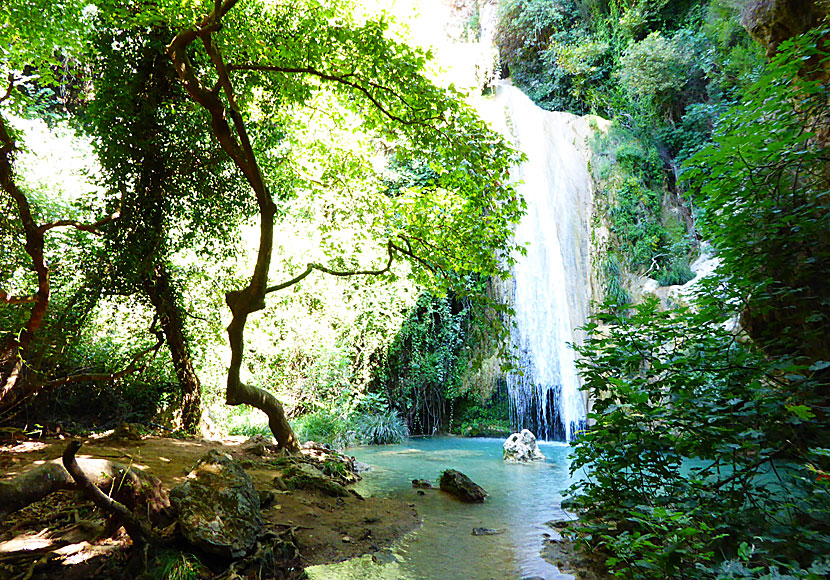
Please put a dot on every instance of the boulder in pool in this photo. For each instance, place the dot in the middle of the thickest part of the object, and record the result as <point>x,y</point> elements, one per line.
<point>462,487</point>
<point>521,448</point>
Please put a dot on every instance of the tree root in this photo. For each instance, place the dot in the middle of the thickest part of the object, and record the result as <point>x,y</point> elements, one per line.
<point>131,487</point>
<point>140,532</point>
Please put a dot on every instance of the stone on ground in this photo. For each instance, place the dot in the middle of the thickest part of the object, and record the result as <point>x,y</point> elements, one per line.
<point>218,507</point>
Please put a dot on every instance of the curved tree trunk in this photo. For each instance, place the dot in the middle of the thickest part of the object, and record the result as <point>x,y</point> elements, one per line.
<point>235,142</point>
<point>161,294</point>
<point>14,387</point>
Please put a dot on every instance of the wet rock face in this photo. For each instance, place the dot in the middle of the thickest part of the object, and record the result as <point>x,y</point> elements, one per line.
<point>462,487</point>
<point>218,507</point>
<point>521,448</point>
<point>771,22</point>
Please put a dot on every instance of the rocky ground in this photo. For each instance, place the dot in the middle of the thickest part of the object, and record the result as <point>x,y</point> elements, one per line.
<point>307,519</point>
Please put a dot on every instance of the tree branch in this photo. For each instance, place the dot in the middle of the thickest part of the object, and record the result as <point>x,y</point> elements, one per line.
<point>341,79</point>
<point>130,369</point>
<point>7,299</point>
<point>86,227</point>
<point>10,89</point>
<point>390,247</point>
<point>140,534</point>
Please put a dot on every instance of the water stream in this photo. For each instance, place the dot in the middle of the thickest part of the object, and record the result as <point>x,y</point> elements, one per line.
<point>521,499</point>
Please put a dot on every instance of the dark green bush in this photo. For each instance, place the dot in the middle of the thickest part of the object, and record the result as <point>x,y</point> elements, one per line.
<point>701,446</point>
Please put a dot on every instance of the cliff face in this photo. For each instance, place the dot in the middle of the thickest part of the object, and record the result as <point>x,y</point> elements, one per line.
<point>771,22</point>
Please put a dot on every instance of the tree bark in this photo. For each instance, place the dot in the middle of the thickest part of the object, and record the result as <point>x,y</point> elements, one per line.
<point>14,387</point>
<point>163,298</point>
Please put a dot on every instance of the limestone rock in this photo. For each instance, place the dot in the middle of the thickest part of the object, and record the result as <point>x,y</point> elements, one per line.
<point>218,507</point>
<point>421,484</point>
<point>459,485</point>
<point>305,476</point>
<point>521,448</point>
<point>259,445</point>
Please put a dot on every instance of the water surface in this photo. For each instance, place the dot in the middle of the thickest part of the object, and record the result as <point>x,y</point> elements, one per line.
<point>521,499</point>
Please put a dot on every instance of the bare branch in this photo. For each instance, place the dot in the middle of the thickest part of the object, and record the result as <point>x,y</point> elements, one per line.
<point>139,533</point>
<point>6,299</point>
<point>86,227</point>
<point>390,247</point>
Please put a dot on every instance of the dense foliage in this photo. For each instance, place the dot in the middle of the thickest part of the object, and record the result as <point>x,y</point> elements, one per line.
<point>706,455</point>
<point>709,457</point>
<point>219,122</point>
<point>662,72</point>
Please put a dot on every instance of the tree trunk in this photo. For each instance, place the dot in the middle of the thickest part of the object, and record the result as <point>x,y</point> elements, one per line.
<point>163,299</point>
<point>235,142</point>
<point>133,487</point>
<point>14,388</point>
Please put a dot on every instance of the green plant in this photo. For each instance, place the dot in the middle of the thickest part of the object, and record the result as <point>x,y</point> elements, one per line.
<point>614,286</point>
<point>423,365</point>
<point>762,190</point>
<point>478,417</point>
<point>248,423</point>
<point>700,443</point>
<point>172,565</point>
<point>381,428</point>
<point>325,427</point>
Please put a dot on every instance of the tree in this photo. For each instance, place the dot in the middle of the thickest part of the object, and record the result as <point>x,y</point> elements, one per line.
<point>763,185</point>
<point>293,54</point>
<point>250,67</point>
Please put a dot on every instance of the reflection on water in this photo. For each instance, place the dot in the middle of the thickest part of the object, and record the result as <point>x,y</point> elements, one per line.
<point>521,499</point>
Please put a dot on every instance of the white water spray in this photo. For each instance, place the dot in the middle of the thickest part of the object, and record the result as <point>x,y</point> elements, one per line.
<point>551,290</point>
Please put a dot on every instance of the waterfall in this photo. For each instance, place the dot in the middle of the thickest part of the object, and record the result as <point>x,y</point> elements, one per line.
<point>551,288</point>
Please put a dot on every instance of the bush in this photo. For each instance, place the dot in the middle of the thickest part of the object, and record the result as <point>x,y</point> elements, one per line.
<point>249,422</point>
<point>381,428</point>
<point>325,427</point>
<point>701,445</point>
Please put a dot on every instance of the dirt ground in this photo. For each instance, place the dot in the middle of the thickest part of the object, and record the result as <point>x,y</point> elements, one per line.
<point>60,536</point>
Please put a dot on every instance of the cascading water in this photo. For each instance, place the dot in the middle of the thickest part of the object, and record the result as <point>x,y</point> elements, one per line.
<point>551,282</point>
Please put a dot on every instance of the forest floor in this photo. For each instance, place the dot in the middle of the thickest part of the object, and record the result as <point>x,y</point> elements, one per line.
<point>59,536</point>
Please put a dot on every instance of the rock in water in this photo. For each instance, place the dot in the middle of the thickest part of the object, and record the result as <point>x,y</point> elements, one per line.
<point>459,485</point>
<point>486,532</point>
<point>218,507</point>
<point>521,448</point>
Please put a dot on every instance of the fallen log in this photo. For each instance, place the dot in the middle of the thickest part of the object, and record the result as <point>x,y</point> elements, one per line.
<point>131,487</point>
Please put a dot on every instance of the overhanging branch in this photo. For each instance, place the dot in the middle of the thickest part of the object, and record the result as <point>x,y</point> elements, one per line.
<point>341,79</point>
<point>131,368</point>
<point>86,227</point>
<point>5,298</point>
<point>311,267</point>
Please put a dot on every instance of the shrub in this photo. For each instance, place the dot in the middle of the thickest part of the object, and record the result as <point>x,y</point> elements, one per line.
<point>325,427</point>
<point>701,445</point>
<point>381,428</point>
